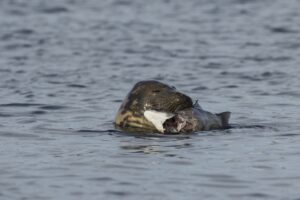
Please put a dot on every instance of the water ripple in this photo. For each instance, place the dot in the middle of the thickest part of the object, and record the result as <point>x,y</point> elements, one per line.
<point>66,65</point>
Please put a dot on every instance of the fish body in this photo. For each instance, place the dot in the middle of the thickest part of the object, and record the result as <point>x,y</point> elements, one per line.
<point>188,120</point>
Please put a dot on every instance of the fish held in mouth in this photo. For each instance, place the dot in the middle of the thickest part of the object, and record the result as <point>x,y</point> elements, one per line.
<point>187,120</point>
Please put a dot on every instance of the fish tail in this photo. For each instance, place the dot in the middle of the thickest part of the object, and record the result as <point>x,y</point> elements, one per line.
<point>224,117</point>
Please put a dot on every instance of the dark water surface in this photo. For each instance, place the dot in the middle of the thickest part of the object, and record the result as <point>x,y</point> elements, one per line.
<point>66,65</point>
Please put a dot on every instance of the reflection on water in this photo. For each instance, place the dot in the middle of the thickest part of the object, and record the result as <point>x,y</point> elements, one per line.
<point>65,67</point>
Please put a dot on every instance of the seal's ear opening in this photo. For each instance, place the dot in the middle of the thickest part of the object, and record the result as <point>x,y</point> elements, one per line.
<point>224,117</point>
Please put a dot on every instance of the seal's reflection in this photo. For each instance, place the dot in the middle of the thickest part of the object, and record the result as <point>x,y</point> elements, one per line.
<point>146,149</point>
<point>159,145</point>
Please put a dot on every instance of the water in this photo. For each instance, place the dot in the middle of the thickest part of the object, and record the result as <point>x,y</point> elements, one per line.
<point>66,65</point>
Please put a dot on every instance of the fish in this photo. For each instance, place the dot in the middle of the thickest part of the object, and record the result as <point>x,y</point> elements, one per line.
<point>188,120</point>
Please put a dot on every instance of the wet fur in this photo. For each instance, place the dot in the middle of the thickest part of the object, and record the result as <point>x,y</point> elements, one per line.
<point>149,95</point>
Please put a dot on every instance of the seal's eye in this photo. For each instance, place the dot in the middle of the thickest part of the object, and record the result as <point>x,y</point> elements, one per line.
<point>156,91</point>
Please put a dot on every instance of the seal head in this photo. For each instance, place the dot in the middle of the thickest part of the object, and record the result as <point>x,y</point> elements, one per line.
<point>150,95</point>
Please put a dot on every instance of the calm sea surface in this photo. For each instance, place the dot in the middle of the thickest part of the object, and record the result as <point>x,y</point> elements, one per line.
<point>66,65</point>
